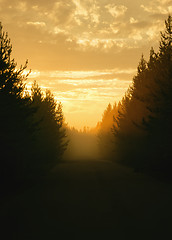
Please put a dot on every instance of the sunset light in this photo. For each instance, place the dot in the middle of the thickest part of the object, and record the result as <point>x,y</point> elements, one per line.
<point>82,91</point>
<point>86,119</point>
<point>86,52</point>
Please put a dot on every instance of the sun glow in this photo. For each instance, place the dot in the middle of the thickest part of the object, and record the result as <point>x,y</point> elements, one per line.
<point>85,52</point>
<point>84,94</point>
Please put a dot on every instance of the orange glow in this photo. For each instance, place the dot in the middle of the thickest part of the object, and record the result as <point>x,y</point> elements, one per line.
<point>83,92</point>
<point>85,52</point>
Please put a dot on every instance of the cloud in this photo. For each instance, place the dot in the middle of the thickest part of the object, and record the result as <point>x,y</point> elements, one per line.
<point>21,6</point>
<point>84,51</point>
<point>84,34</point>
<point>82,90</point>
<point>116,10</point>
<point>80,9</point>
<point>79,83</point>
<point>37,24</point>
<point>158,7</point>
<point>133,20</point>
<point>62,12</point>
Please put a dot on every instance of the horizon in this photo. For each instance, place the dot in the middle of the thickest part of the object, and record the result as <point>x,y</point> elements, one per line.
<point>85,53</point>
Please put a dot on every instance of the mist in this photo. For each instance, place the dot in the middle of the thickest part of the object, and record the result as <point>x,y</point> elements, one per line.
<point>83,145</point>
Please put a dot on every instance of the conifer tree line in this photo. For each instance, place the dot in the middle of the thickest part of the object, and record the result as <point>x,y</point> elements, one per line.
<point>32,133</point>
<point>104,130</point>
<point>142,126</point>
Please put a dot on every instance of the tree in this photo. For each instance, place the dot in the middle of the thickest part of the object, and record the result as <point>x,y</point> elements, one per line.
<point>158,124</point>
<point>144,128</point>
<point>15,112</point>
<point>104,129</point>
<point>32,135</point>
<point>12,79</point>
<point>50,134</point>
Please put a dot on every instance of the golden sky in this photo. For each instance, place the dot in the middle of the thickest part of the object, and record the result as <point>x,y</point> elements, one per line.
<point>85,52</point>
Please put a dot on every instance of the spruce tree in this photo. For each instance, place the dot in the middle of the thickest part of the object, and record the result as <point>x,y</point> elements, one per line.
<point>31,137</point>
<point>144,129</point>
<point>15,111</point>
<point>50,134</point>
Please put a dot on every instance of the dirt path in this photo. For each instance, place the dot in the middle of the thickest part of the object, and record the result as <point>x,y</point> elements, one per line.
<point>91,200</point>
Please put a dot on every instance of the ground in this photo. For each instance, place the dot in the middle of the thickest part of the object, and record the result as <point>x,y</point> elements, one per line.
<point>93,199</point>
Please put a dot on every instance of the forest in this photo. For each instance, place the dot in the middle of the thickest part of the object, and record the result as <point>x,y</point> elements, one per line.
<point>109,182</point>
<point>32,135</point>
<point>137,131</point>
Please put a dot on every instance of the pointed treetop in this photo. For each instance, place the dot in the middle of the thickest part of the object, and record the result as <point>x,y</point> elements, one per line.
<point>142,65</point>
<point>166,37</point>
<point>168,24</point>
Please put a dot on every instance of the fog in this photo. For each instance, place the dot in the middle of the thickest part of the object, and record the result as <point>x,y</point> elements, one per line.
<point>83,145</point>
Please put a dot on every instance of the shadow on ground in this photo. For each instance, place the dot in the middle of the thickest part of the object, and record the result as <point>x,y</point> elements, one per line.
<point>90,200</point>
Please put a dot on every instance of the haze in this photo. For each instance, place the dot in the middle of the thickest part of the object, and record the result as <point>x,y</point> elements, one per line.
<point>86,51</point>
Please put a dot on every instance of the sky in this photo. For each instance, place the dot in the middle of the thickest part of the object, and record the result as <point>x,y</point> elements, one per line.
<point>86,52</point>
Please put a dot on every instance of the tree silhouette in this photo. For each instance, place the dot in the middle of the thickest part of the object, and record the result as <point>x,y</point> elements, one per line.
<point>50,135</point>
<point>14,110</point>
<point>104,129</point>
<point>143,131</point>
<point>32,134</point>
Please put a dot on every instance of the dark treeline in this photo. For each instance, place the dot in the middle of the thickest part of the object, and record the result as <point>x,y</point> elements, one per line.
<point>104,130</point>
<point>32,136</point>
<point>140,130</point>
